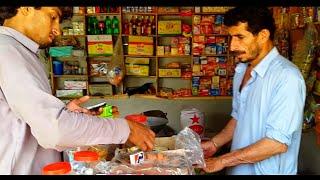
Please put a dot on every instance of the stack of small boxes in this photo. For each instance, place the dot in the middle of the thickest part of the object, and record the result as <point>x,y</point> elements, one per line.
<point>212,76</point>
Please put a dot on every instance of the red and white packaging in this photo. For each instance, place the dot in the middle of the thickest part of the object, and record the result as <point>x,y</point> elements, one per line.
<point>194,119</point>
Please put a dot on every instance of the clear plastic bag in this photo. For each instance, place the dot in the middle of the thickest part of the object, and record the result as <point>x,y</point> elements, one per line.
<point>172,162</point>
<point>190,141</point>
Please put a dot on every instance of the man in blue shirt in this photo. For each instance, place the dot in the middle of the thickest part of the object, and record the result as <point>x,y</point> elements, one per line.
<point>268,101</point>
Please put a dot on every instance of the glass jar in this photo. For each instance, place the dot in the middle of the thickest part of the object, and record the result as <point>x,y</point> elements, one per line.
<point>57,168</point>
<point>85,162</point>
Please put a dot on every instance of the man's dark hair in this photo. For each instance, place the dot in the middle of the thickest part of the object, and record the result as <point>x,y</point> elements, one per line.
<point>258,18</point>
<point>7,12</point>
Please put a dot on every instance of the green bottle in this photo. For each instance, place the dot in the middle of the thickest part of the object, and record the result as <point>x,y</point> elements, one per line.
<point>108,25</point>
<point>115,25</point>
<point>89,29</point>
<point>95,25</point>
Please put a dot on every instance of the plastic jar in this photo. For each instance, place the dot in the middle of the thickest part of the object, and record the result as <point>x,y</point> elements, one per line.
<point>57,168</point>
<point>137,118</point>
<point>85,162</point>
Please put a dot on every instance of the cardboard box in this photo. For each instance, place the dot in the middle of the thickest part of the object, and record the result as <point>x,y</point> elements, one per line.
<point>75,85</point>
<point>69,93</point>
<point>132,60</point>
<point>100,90</point>
<point>169,72</point>
<point>169,27</point>
<point>100,45</point>
<point>137,70</point>
<point>140,45</point>
<point>160,50</point>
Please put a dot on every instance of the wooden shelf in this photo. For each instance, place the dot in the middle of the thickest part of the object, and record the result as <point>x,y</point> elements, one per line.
<point>98,76</point>
<point>169,35</point>
<point>211,35</point>
<point>104,14</point>
<point>121,96</point>
<point>209,13</point>
<point>70,76</point>
<point>215,55</point>
<point>133,76</point>
<point>139,13</point>
<point>174,56</point>
<point>125,35</point>
<point>82,35</point>
<point>100,56</point>
<point>78,14</point>
<point>169,14</point>
<point>71,58</point>
<point>138,56</point>
<point>204,98</point>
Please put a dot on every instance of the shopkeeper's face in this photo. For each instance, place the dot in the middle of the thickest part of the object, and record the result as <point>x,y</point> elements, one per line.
<point>43,25</point>
<point>244,44</point>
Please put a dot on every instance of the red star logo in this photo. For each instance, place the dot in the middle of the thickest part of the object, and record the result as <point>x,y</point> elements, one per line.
<point>195,119</point>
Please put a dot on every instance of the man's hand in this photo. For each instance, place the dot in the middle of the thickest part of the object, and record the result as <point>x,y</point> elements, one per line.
<point>74,106</point>
<point>141,136</point>
<point>209,148</point>
<point>213,165</point>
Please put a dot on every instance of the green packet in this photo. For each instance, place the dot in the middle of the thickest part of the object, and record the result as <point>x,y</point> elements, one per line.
<point>60,51</point>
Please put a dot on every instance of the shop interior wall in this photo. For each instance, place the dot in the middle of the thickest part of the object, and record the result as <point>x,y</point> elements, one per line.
<point>217,112</point>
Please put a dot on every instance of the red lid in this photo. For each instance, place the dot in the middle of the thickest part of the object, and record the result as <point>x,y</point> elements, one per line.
<point>137,117</point>
<point>86,156</point>
<point>56,168</point>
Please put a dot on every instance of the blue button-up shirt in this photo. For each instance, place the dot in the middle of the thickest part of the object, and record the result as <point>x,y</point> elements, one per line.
<point>271,106</point>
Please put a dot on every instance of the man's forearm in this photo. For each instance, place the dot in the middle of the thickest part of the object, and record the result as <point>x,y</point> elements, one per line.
<point>226,134</point>
<point>259,151</point>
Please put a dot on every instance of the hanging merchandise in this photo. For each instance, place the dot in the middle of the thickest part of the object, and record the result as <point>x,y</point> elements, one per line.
<point>115,72</point>
<point>305,49</point>
<point>281,39</point>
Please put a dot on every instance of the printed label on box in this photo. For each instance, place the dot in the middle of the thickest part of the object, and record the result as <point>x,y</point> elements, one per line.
<point>137,158</point>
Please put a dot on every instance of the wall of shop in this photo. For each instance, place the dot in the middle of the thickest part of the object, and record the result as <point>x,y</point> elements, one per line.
<point>217,112</point>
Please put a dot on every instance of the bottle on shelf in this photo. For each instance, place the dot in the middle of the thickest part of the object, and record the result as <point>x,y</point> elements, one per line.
<point>115,25</point>
<point>126,27</point>
<point>108,29</point>
<point>134,25</point>
<point>149,32</point>
<point>95,27</point>
<point>131,26</point>
<point>144,25</point>
<point>101,27</point>
<point>138,24</point>
<point>153,26</point>
<point>90,27</point>
<point>97,9</point>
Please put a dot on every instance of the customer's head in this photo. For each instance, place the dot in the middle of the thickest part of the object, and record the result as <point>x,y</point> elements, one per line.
<point>251,28</point>
<point>41,24</point>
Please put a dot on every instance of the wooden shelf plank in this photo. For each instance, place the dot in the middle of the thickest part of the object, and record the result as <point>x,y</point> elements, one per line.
<point>211,35</point>
<point>103,14</point>
<point>138,35</point>
<point>173,56</point>
<point>70,76</point>
<point>209,13</point>
<point>139,13</point>
<point>211,55</point>
<point>133,76</point>
<point>139,56</point>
